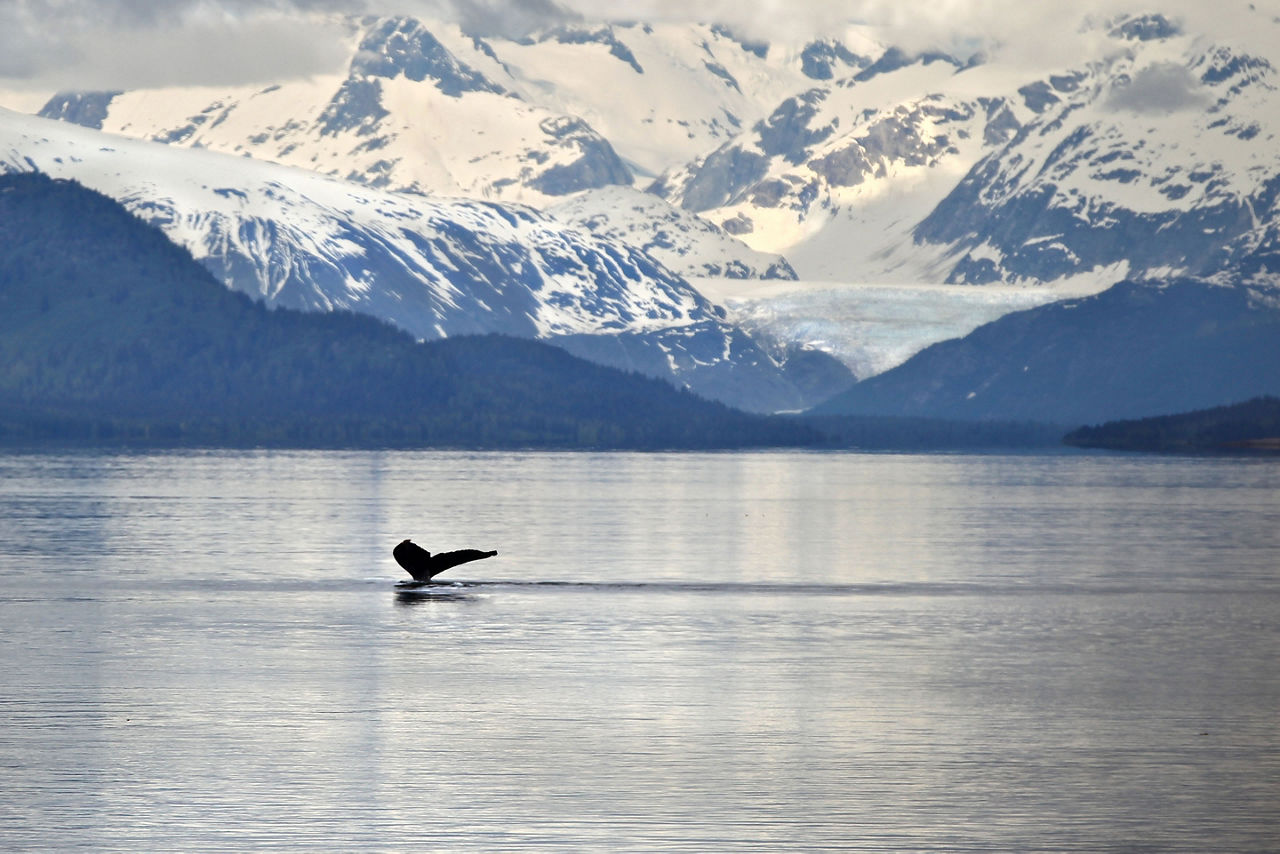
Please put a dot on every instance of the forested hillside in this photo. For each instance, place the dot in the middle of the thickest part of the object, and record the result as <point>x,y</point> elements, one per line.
<point>1138,349</point>
<point>1253,425</point>
<point>108,330</point>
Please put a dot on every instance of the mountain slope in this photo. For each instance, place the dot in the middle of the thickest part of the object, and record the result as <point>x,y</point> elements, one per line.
<point>682,242</point>
<point>105,322</point>
<point>838,174</point>
<point>1135,350</point>
<point>433,267</point>
<point>1157,160</point>
<point>664,93</point>
<point>1153,155</point>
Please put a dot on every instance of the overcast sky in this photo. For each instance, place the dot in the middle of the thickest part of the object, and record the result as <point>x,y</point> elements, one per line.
<point>108,44</point>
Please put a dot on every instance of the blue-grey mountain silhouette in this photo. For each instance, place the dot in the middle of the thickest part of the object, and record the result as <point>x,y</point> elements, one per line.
<point>424,566</point>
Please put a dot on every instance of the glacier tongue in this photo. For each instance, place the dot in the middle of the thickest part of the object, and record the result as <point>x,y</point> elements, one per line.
<point>869,327</point>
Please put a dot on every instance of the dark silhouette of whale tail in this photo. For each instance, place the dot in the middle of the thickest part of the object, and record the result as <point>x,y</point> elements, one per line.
<point>423,565</point>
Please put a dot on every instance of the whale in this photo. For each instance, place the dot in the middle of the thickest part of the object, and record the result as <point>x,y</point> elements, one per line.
<point>423,565</point>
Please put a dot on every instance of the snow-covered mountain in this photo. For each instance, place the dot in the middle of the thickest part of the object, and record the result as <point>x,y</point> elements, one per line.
<point>1156,157</point>
<point>1160,159</point>
<point>664,93</point>
<point>835,148</point>
<point>844,160</point>
<point>853,159</point>
<point>408,114</point>
<point>427,108</point>
<point>433,267</point>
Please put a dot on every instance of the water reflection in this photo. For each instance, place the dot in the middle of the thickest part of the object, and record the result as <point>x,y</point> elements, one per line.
<point>672,652</point>
<point>424,596</point>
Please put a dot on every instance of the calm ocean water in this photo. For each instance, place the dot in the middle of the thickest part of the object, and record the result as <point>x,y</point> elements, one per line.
<point>755,652</point>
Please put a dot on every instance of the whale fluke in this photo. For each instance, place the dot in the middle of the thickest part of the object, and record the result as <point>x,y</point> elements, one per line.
<point>423,565</point>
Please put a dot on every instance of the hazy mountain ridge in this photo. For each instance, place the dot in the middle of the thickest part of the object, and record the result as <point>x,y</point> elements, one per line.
<point>1155,158</point>
<point>809,130</point>
<point>367,125</point>
<point>425,107</point>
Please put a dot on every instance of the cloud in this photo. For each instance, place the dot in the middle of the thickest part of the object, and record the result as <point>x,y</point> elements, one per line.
<point>221,52</point>
<point>122,44</point>
<point>1165,87</point>
<point>102,44</point>
<point>1040,33</point>
<point>506,18</point>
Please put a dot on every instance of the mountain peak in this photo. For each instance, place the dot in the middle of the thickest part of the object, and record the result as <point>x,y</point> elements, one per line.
<point>404,46</point>
<point>819,59</point>
<point>600,35</point>
<point>1152,27</point>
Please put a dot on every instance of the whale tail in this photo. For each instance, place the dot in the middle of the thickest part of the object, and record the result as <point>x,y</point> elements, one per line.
<point>423,565</point>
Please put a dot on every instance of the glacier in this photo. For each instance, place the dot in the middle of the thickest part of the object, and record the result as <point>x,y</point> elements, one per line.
<point>868,327</point>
